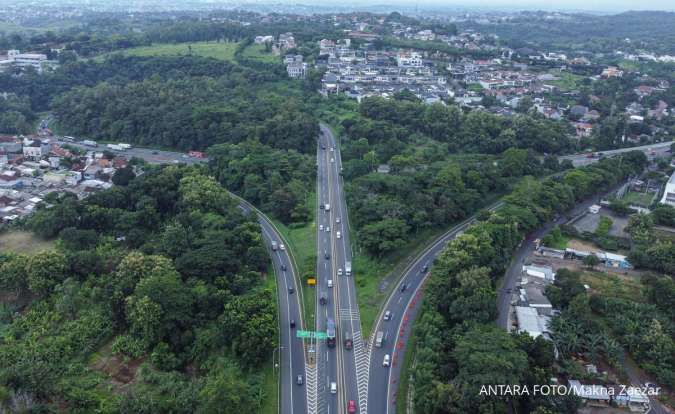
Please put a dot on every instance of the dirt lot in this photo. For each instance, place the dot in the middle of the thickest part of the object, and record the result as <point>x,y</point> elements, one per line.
<point>23,242</point>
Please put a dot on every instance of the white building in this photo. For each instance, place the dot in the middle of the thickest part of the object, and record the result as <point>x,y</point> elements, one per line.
<point>35,149</point>
<point>297,70</point>
<point>23,60</point>
<point>409,60</point>
<point>669,192</point>
<point>259,40</point>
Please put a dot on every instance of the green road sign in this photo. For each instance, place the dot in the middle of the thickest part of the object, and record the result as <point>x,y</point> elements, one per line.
<point>310,334</point>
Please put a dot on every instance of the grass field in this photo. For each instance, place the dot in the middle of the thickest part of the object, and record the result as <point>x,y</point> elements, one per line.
<point>260,53</point>
<point>567,81</point>
<point>610,285</point>
<point>23,242</point>
<point>639,199</point>
<point>216,50</point>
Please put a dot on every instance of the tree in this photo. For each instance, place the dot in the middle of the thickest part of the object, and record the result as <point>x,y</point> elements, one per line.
<point>591,261</point>
<point>123,176</point>
<point>383,236</point>
<point>44,270</point>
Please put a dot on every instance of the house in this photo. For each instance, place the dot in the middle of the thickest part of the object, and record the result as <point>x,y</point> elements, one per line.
<point>543,272</point>
<point>409,59</point>
<point>583,129</point>
<point>578,111</point>
<point>297,70</point>
<point>35,149</point>
<point>287,41</point>
<point>669,192</point>
<point>592,394</point>
<point>10,144</point>
<point>611,72</point>
<point>531,322</point>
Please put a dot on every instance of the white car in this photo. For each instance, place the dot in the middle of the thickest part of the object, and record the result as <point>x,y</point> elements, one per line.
<point>282,247</point>
<point>385,363</point>
<point>387,316</point>
<point>327,229</point>
<point>337,220</point>
<point>330,283</point>
<point>332,160</point>
<point>332,149</point>
<point>320,227</point>
<point>338,235</point>
<point>333,387</point>
<point>340,272</point>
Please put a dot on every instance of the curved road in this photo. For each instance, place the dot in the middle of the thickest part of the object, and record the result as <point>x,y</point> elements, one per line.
<point>404,305</point>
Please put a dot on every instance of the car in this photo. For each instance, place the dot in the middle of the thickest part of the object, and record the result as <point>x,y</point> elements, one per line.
<point>291,290</point>
<point>321,206</point>
<point>338,235</point>
<point>332,160</point>
<point>332,149</point>
<point>330,283</point>
<point>299,380</point>
<point>425,268</point>
<point>320,227</point>
<point>387,316</point>
<point>154,153</point>
<point>327,229</point>
<point>333,387</point>
<point>292,323</point>
<point>351,407</point>
<point>404,286</point>
<point>327,255</point>
<point>282,247</point>
<point>337,220</point>
<point>386,361</point>
<point>283,267</point>
<point>323,147</point>
<point>340,272</point>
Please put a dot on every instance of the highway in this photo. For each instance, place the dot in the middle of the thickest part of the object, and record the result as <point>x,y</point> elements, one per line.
<point>336,364</point>
<point>404,305</point>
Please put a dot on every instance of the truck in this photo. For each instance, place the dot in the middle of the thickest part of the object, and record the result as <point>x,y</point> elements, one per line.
<point>89,143</point>
<point>124,145</point>
<point>348,268</point>
<point>274,245</point>
<point>348,342</point>
<point>330,332</point>
<point>327,207</point>
<point>115,147</point>
<point>379,338</point>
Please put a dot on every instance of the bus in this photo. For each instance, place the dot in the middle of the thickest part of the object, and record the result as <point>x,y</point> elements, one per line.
<point>330,332</point>
<point>379,338</point>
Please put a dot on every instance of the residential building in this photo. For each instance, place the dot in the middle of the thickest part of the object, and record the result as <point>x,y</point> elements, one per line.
<point>35,149</point>
<point>409,59</point>
<point>669,192</point>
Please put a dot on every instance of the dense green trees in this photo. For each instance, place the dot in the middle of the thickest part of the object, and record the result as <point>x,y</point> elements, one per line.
<point>456,345</point>
<point>165,270</point>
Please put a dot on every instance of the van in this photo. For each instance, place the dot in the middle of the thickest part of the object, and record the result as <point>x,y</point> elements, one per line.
<point>338,235</point>
<point>386,361</point>
<point>333,387</point>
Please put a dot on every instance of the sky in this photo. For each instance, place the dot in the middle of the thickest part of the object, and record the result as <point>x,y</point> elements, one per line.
<point>608,6</point>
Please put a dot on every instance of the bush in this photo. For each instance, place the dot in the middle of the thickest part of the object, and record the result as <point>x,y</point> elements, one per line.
<point>129,346</point>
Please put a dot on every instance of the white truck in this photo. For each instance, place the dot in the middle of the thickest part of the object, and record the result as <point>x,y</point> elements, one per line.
<point>123,145</point>
<point>348,268</point>
<point>115,147</point>
<point>89,143</point>
<point>379,338</point>
<point>327,207</point>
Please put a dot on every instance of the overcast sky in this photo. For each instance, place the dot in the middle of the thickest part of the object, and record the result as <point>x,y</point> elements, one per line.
<point>611,6</point>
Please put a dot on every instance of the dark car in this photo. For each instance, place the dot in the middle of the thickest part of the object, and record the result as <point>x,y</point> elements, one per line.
<point>327,256</point>
<point>404,287</point>
<point>283,267</point>
<point>321,206</point>
<point>291,290</point>
<point>292,323</point>
<point>425,268</point>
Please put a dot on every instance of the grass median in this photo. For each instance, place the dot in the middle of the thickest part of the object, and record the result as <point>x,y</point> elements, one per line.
<point>301,240</point>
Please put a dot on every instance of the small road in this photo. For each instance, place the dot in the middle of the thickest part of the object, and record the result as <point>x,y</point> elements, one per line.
<point>290,356</point>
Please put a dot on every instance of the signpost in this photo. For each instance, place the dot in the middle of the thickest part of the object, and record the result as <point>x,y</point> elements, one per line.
<point>310,334</point>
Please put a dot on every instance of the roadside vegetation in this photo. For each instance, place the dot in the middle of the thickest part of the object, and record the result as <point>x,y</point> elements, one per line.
<point>214,49</point>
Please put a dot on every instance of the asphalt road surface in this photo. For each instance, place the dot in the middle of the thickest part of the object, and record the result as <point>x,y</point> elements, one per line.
<point>338,363</point>
<point>290,356</point>
<point>652,151</point>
